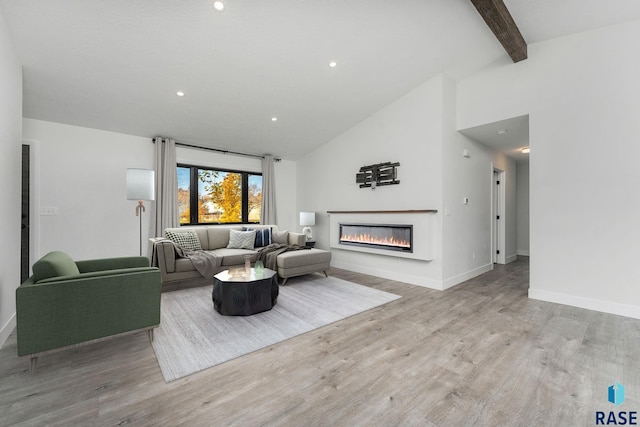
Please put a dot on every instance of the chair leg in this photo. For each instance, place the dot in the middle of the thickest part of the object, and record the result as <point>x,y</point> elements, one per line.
<point>150,332</point>
<point>284,280</point>
<point>33,362</point>
<point>325,273</point>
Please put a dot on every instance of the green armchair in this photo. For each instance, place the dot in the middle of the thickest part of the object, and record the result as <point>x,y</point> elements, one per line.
<point>66,304</point>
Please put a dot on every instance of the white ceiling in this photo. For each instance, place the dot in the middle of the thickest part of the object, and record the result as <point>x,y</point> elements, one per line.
<point>117,64</point>
<point>509,136</point>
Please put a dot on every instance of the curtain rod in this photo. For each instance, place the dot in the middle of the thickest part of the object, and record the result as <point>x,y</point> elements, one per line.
<point>218,150</point>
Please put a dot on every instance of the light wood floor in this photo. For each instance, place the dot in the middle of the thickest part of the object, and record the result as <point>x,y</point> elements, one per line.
<point>480,354</point>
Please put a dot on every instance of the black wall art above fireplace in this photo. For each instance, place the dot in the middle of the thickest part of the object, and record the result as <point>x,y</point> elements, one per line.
<point>393,237</point>
<point>377,175</point>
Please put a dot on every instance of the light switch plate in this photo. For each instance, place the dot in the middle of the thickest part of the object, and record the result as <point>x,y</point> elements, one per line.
<point>48,211</point>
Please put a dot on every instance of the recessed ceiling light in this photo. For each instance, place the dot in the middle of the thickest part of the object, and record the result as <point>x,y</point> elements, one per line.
<point>180,93</point>
<point>218,5</point>
<point>332,64</point>
<point>274,119</point>
<point>502,131</point>
<point>526,150</point>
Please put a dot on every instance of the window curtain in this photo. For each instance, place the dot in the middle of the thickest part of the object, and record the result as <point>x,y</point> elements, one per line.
<point>268,207</point>
<point>166,184</point>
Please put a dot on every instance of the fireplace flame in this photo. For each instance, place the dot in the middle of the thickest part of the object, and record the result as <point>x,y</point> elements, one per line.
<point>368,239</point>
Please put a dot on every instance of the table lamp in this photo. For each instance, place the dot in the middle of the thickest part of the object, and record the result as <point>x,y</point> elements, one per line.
<point>307,219</point>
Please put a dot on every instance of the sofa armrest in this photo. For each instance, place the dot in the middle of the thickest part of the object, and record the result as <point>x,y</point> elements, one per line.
<point>297,239</point>
<point>87,266</point>
<point>79,309</point>
<point>163,255</point>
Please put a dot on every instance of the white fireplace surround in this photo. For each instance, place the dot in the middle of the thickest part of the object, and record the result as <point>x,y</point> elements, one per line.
<point>422,231</point>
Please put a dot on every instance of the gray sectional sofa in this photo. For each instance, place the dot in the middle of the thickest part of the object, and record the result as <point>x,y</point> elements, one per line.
<point>179,272</point>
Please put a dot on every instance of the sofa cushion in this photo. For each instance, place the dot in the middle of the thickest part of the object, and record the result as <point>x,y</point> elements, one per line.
<point>303,258</point>
<point>281,237</point>
<point>183,264</point>
<point>241,239</point>
<point>219,236</point>
<point>234,256</point>
<point>263,236</point>
<point>187,239</point>
<point>54,264</point>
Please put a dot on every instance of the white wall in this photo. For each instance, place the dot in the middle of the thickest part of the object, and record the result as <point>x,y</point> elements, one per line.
<point>408,131</point>
<point>509,166</point>
<point>523,208</point>
<point>581,92</point>
<point>82,174</point>
<point>467,236</point>
<point>10,178</point>
<point>419,131</point>
<point>468,228</point>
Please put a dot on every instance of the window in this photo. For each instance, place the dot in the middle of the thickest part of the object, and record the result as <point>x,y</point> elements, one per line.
<point>215,196</point>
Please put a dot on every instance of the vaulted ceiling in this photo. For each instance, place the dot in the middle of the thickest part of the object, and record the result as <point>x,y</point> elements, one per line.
<point>117,64</point>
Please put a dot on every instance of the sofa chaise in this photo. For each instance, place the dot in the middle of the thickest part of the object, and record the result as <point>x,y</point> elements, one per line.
<point>180,272</point>
<point>65,304</point>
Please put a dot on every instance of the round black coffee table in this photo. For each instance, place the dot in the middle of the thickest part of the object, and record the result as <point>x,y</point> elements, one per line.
<point>243,295</point>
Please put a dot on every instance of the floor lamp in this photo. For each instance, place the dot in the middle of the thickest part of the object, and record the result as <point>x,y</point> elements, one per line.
<point>140,187</point>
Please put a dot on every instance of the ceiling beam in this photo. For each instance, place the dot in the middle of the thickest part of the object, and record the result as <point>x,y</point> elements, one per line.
<point>499,20</point>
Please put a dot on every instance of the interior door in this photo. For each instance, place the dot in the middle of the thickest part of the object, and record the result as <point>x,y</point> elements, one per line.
<point>25,213</point>
<point>496,216</point>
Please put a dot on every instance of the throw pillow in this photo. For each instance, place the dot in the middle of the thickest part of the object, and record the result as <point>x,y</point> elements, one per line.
<point>187,239</point>
<point>241,239</point>
<point>281,237</point>
<point>263,236</point>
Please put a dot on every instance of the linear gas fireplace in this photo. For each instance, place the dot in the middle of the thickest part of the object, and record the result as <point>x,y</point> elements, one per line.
<point>379,236</point>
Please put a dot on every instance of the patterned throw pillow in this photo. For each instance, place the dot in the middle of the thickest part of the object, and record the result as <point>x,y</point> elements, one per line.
<point>241,239</point>
<point>187,239</point>
<point>263,236</point>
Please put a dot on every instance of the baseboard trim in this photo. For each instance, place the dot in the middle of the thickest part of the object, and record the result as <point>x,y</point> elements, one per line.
<point>452,281</point>
<point>610,307</point>
<point>523,252</point>
<point>391,275</point>
<point>7,328</point>
<point>511,258</point>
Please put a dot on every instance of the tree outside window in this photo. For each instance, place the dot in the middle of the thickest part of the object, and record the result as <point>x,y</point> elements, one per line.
<point>222,196</point>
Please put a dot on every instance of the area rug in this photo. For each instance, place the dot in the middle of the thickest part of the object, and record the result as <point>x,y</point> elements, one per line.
<point>192,336</point>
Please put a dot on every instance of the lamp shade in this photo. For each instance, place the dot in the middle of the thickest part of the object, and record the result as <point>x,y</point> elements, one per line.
<point>140,184</point>
<point>307,218</point>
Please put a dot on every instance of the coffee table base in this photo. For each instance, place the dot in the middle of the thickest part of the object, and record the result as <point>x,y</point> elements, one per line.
<point>244,298</point>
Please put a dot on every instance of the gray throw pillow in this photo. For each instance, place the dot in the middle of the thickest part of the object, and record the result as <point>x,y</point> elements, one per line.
<point>241,239</point>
